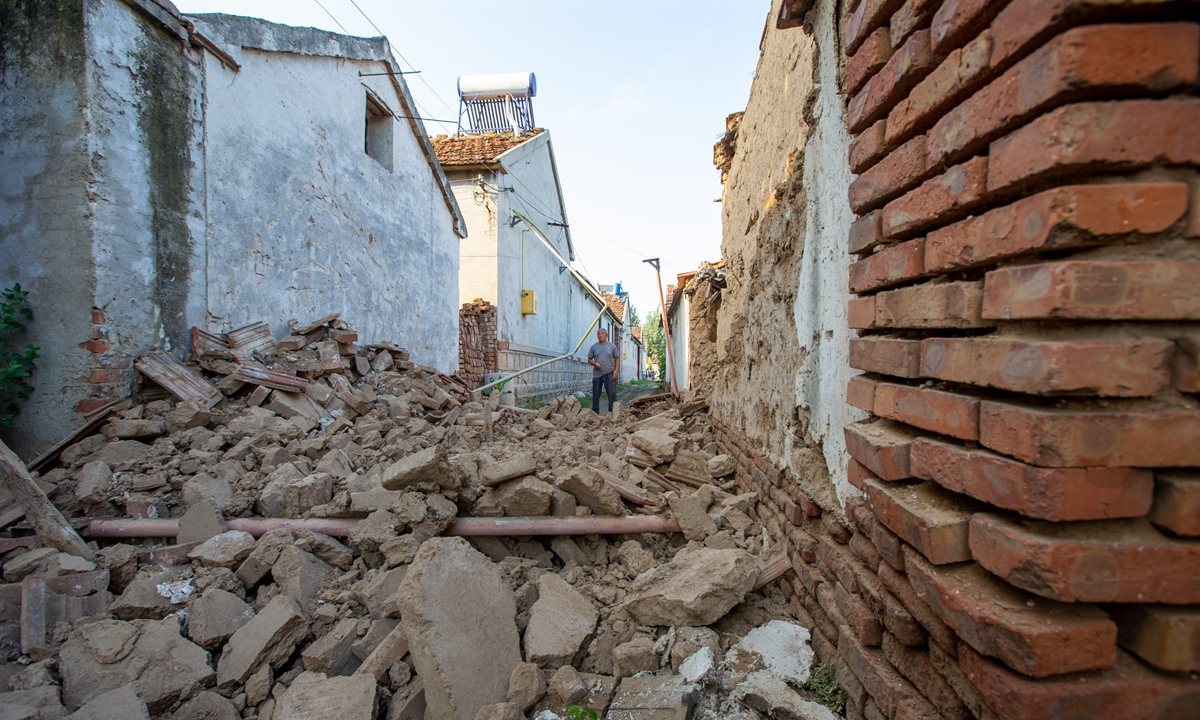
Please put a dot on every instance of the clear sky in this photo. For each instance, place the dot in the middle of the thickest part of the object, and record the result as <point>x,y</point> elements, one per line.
<point>633,93</point>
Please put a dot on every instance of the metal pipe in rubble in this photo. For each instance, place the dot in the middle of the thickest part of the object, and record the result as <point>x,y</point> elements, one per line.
<point>547,362</point>
<point>582,281</point>
<point>463,526</point>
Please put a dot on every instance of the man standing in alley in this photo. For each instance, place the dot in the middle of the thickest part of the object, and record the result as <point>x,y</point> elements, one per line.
<point>606,359</point>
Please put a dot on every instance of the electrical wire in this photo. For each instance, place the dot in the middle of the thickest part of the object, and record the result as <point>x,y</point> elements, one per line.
<point>331,17</point>
<point>398,54</point>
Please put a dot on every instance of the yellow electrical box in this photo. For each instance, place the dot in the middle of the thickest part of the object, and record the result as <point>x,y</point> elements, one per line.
<point>528,302</point>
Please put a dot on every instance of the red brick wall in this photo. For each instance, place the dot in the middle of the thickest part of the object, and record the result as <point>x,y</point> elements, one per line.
<point>1026,287</point>
<point>476,341</point>
<point>111,374</point>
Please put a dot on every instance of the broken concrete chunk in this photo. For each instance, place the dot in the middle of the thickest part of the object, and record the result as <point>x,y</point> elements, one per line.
<point>142,599</point>
<point>215,616</point>
<point>269,637</point>
<point>140,429</point>
<point>561,624</point>
<point>312,696</point>
<point>526,497</point>
<point>301,575</point>
<point>93,484</point>
<point>288,496</point>
<point>771,696</point>
<point>635,656</point>
<point>647,698</point>
<point>201,522</point>
<point>365,645</point>
<point>567,685</point>
<point>500,711</point>
<point>722,466</point>
<point>636,558</point>
<point>696,588</point>
<point>295,404</point>
<point>204,486</point>
<point>429,464</point>
<point>514,467</point>
<point>385,655</point>
<point>161,664</point>
<point>258,685</point>
<point>34,562</point>
<point>377,592</point>
<point>691,512</point>
<point>122,703</point>
<point>569,551</point>
<point>690,640</point>
<point>459,615</point>
<point>336,464</point>
<point>526,686</point>
<point>187,415</point>
<point>226,550</point>
<point>655,442</point>
<point>326,548</point>
<point>591,491</point>
<point>207,705</point>
<point>783,647</point>
<point>332,654</point>
<point>264,555</point>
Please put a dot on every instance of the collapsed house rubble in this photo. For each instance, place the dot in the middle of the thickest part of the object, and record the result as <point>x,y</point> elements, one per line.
<point>383,612</point>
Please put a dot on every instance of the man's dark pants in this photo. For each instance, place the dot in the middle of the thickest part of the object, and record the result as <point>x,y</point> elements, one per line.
<point>610,386</point>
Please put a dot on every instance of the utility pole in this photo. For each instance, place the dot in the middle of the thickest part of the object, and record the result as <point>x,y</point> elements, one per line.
<point>662,304</point>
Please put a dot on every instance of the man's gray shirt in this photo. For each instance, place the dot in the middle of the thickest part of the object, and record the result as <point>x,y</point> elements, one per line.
<point>606,354</point>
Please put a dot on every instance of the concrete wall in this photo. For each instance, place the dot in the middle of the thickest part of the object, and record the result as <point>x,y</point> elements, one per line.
<point>477,265</point>
<point>99,139</point>
<point>680,341</point>
<point>339,231</point>
<point>781,333</point>
<point>138,168</point>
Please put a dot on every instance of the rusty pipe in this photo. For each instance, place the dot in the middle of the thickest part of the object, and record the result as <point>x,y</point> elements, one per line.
<point>570,525</point>
<point>463,526</point>
<point>168,527</point>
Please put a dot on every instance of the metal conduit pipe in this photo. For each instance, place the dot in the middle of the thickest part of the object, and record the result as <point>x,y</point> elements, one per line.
<point>463,526</point>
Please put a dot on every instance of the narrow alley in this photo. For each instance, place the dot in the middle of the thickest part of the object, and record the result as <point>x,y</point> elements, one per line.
<point>310,411</point>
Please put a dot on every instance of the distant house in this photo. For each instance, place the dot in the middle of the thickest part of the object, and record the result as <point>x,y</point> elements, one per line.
<point>542,310</point>
<point>640,347</point>
<point>691,322</point>
<point>166,171</point>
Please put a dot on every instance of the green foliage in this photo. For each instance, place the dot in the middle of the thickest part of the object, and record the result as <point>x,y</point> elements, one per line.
<point>16,365</point>
<point>634,317</point>
<point>823,686</point>
<point>577,712</point>
<point>654,340</point>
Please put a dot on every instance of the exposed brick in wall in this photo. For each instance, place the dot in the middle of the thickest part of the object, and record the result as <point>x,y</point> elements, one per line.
<point>476,341</point>
<point>111,373</point>
<point>1026,291</point>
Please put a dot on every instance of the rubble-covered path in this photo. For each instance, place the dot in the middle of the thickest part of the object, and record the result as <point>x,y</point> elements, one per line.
<point>386,614</point>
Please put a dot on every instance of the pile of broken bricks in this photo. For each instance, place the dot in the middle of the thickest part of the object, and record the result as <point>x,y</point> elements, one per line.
<point>254,559</point>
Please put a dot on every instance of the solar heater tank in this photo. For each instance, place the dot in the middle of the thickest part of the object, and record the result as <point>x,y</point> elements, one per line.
<point>482,87</point>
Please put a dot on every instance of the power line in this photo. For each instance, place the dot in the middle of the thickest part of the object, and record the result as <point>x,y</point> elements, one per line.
<point>398,54</point>
<point>331,17</point>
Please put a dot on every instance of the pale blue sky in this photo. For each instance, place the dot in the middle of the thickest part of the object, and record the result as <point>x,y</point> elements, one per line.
<point>633,93</point>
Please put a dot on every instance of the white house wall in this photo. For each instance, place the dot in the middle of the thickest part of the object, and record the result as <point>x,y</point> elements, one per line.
<point>680,329</point>
<point>338,232</point>
<point>477,251</point>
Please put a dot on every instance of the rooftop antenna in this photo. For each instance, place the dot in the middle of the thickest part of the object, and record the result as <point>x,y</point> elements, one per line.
<point>496,103</point>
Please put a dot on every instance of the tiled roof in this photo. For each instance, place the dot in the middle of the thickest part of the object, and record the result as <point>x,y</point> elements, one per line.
<point>616,305</point>
<point>477,148</point>
<point>637,331</point>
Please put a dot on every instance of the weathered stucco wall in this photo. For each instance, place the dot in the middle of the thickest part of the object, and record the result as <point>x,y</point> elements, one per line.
<point>781,331</point>
<point>332,230</point>
<point>477,251</point>
<point>148,188</point>
<point>45,233</point>
<point>99,138</point>
<point>681,330</point>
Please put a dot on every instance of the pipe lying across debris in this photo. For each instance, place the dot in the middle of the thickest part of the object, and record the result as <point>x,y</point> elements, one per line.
<point>463,526</point>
